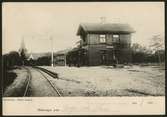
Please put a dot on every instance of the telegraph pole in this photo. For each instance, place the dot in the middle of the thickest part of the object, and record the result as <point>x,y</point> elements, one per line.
<point>103,20</point>
<point>65,59</point>
<point>51,51</point>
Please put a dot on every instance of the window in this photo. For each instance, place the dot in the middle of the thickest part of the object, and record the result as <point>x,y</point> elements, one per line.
<point>116,38</point>
<point>102,38</point>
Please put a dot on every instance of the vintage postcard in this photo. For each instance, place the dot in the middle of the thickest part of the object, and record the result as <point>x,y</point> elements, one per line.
<point>83,58</point>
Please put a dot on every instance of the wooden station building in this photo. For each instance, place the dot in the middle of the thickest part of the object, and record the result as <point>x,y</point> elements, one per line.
<point>101,44</point>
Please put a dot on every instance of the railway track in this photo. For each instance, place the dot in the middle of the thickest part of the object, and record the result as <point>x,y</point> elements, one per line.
<point>29,77</point>
<point>42,71</point>
<point>52,74</point>
<point>55,88</point>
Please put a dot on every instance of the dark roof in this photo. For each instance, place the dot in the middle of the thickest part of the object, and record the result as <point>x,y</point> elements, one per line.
<point>62,52</point>
<point>104,28</point>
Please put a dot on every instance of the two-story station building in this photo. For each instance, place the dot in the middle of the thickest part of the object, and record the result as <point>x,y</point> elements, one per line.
<point>102,44</point>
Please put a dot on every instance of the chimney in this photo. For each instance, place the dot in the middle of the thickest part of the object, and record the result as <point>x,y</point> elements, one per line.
<point>103,20</point>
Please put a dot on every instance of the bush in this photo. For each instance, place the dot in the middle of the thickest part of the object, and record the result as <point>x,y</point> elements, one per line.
<point>43,61</point>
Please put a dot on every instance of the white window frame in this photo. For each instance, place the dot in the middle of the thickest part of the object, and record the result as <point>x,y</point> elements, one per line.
<point>116,38</point>
<point>102,38</point>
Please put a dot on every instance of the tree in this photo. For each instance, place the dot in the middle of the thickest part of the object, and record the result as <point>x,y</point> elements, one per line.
<point>141,54</point>
<point>138,53</point>
<point>14,58</point>
<point>23,56</point>
<point>44,60</point>
<point>136,47</point>
<point>157,44</point>
<point>11,59</point>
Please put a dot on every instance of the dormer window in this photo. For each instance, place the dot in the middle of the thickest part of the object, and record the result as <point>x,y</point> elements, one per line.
<point>102,38</point>
<point>116,38</point>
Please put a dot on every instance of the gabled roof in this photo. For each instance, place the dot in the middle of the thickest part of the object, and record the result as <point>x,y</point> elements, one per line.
<point>104,28</point>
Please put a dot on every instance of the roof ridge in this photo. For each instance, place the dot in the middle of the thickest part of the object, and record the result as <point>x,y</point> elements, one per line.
<point>106,27</point>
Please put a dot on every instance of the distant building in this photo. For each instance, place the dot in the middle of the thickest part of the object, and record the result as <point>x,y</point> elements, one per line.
<point>30,57</point>
<point>102,44</point>
<point>60,57</point>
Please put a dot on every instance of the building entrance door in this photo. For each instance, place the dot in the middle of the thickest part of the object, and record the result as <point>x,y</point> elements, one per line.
<point>103,57</point>
<point>109,57</point>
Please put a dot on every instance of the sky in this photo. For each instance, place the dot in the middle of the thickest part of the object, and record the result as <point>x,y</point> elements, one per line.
<point>38,23</point>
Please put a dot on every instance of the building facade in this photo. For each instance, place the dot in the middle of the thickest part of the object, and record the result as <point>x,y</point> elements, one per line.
<point>102,44</point>
<point>59,60</point>
<point>60,57</point>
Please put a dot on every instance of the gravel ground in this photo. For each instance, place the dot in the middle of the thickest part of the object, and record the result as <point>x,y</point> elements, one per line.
<point>39,86</point>
<point>92,81</point>
<point>108,81</point>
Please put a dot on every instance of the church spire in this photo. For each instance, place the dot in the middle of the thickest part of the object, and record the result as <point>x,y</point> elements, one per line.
<point>23,52</point>
<point>22,44</point>
<point>22,47</point>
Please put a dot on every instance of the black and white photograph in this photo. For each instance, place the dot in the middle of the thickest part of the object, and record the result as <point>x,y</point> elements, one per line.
<point>83,49</point>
